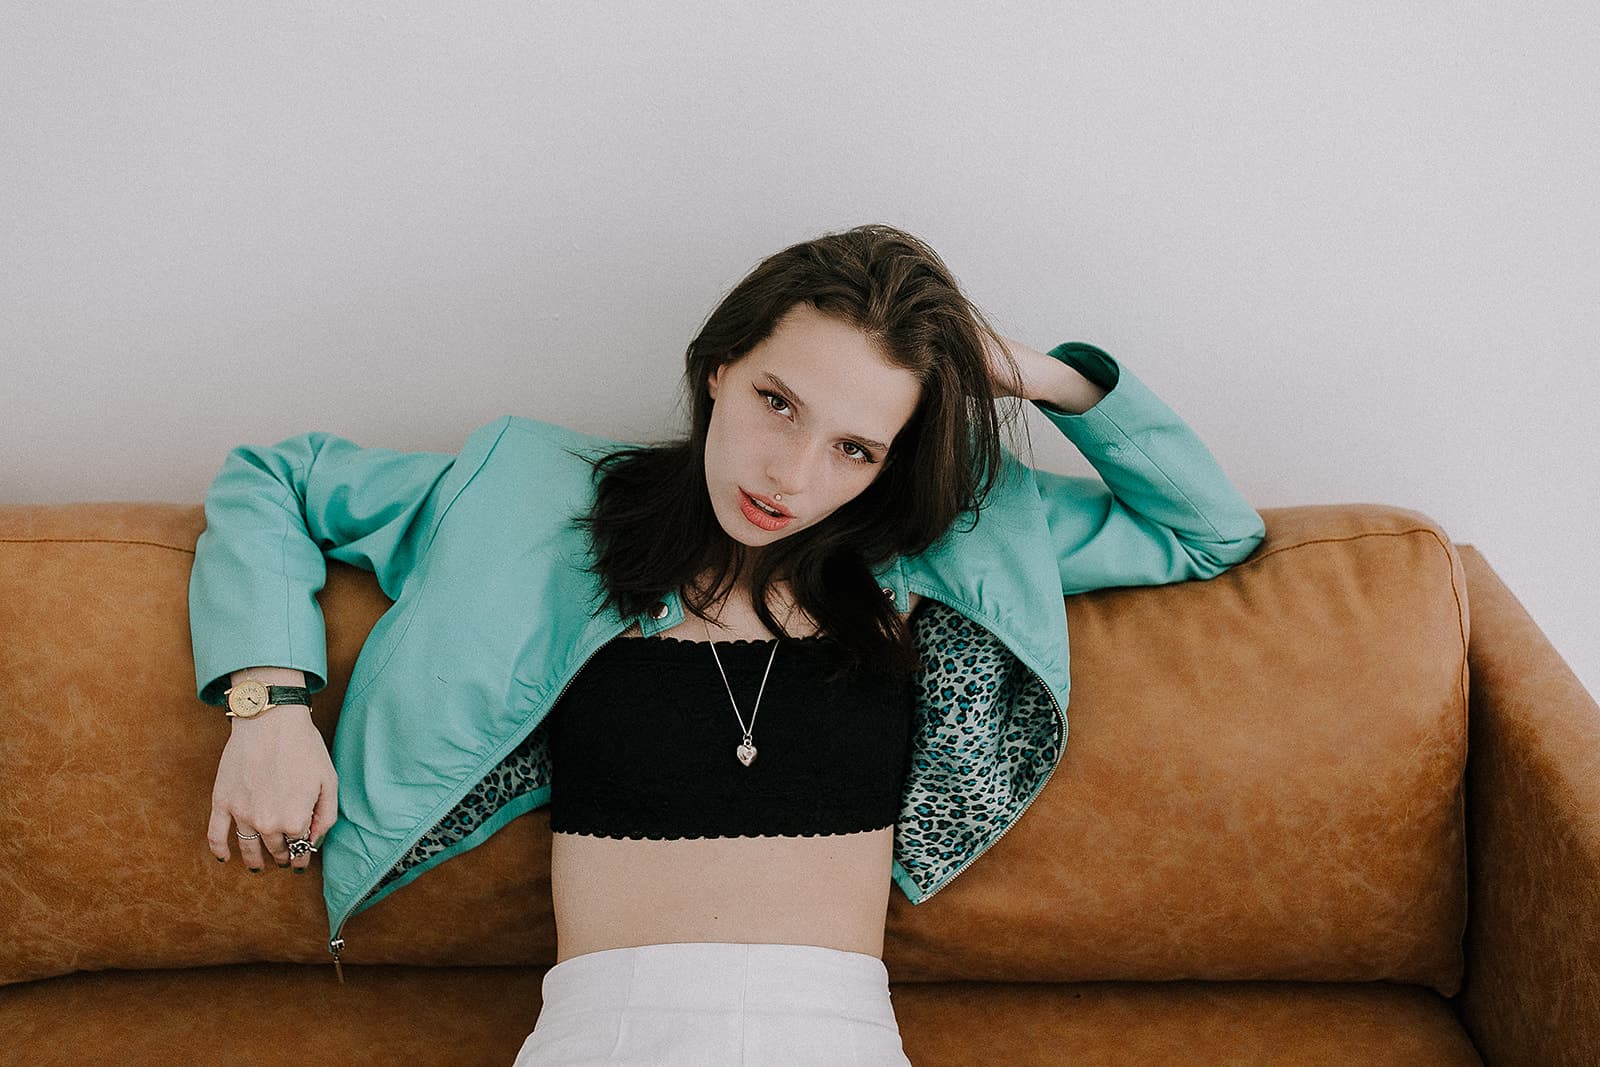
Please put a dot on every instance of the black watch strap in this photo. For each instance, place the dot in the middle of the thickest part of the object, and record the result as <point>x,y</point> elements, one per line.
<point>250,698</point>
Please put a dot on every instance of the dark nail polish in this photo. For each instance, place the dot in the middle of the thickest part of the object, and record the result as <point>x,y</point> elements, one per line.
<point>221,860</point>
<point>299,870</point>
<point>255,870</point>
<point>281,866</point>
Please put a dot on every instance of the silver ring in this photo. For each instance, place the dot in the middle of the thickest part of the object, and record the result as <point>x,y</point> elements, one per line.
<point>247,837</point>
<point>300,846</point>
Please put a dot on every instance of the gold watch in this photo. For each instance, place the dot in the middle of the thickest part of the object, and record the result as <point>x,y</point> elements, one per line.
<point>250,698</point>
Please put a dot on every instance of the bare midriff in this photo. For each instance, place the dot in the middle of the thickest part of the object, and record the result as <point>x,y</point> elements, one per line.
<point>831,891</point>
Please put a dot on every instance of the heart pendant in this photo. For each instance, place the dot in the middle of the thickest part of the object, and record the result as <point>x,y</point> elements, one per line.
<point>746,753</point>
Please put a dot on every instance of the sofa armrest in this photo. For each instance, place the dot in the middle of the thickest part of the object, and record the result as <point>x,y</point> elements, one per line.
<point>1531,992</point>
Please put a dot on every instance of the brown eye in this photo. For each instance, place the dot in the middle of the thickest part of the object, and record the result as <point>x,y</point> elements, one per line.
<point>861,455</point>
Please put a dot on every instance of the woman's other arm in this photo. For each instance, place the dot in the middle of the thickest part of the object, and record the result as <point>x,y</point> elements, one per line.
<point>274,516</point>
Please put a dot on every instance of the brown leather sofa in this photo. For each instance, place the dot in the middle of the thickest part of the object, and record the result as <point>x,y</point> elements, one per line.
<point>1307,815</point>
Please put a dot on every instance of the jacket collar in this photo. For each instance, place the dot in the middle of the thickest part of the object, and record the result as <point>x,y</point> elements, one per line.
<point>668,611</point>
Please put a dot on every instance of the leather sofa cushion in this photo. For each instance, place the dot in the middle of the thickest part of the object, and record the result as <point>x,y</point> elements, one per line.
<point>1263,778</point>
<point>444,1016</point>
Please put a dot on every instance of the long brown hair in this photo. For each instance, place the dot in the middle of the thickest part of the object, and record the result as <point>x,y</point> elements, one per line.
<point>652,526</point>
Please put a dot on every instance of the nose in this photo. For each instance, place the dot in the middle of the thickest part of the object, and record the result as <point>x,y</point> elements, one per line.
<point>788,468</point>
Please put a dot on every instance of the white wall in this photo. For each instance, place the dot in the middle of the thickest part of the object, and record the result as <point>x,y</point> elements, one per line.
<point>1355,245</point>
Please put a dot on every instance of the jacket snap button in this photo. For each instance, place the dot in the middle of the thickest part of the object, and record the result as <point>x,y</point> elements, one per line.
<point>888,592</point>
<point>658,610</point>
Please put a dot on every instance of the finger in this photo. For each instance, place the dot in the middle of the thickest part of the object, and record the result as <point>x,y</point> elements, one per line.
<point>277,844</point>
<point>249,848</point>
<point>300,863</point>
<point>326,813</point>
<point>217,835</point>
<point>1005,372</point>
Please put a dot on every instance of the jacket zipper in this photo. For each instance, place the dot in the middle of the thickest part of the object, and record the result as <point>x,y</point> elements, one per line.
<point>1061,744</point>
<point>336,943</point>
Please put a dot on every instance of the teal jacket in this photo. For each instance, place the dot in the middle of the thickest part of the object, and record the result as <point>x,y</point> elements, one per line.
<point>438,743</point>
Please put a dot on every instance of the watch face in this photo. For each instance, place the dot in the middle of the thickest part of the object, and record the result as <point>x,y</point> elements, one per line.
<point>247,698</point>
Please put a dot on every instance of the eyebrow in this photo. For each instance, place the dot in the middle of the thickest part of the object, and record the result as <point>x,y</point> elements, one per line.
<point>784,387</point>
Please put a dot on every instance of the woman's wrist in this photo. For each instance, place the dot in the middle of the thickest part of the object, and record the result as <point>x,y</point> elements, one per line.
<point>278,713</point>
<point>269,676</point>
<point>1064,388</point>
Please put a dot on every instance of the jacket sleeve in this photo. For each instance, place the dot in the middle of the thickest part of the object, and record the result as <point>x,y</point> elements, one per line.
<point>274,516</point>
<point>1162,510</point>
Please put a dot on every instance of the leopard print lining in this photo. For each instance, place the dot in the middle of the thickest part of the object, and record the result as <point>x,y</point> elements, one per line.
<point>973,766</point>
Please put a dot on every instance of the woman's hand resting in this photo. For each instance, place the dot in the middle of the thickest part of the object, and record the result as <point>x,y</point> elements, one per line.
<point>277,780</point>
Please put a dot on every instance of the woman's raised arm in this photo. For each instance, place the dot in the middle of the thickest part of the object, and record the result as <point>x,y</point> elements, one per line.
<point>1162,509</point>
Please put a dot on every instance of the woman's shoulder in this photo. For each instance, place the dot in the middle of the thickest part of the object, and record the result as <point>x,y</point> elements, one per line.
<point>543,429</point>
<point>524,437</point>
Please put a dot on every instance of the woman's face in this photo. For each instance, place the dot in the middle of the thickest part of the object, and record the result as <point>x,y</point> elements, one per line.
<point>807,414</point>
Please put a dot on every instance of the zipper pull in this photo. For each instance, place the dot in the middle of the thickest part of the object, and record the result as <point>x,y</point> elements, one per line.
<point>336,946</point>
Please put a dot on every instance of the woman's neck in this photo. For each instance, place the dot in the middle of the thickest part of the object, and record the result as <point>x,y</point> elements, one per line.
<point>737,608</point>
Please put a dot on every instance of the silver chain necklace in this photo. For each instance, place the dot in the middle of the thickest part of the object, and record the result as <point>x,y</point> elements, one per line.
<point>747,748</point>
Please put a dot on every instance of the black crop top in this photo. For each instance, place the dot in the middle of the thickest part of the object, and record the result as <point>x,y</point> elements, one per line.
<point>643,742</point>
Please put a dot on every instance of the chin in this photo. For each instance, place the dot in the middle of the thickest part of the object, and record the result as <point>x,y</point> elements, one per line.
<point>755,538</point>
<point>739,529</point>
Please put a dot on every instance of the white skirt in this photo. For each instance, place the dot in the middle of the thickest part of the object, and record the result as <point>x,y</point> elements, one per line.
<point>704,1004</point>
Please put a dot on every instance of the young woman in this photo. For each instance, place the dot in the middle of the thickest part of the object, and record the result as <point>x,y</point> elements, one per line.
<point>759,674</point>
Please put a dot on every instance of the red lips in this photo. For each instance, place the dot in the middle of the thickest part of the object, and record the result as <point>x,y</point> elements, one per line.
<point>758,518</point>
<point>769,502</point>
